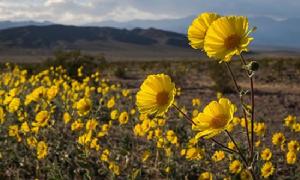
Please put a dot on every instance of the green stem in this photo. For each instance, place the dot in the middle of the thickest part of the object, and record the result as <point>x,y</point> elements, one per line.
<point>252,106</point>
<point>186,117</point>
<point>238,90</point>
<point>223,146</point>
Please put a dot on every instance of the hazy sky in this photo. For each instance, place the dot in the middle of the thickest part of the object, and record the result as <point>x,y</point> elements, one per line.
<point>84,11</point>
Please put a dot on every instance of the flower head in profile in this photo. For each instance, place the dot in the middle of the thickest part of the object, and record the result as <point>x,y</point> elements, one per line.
<point>41,119</point>
<point>227,36</point>
<point>41,150</point>
<point>290,120</point>
<point>156,94</point>
<point>197,30</point>
<point>205,176</point>
<point>218,156</point>
<point>215,118</point>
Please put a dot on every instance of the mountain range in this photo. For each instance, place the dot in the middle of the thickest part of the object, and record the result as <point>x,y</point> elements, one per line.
<point>52,36</point>
<point>270,35</point>
<point>270,32</point>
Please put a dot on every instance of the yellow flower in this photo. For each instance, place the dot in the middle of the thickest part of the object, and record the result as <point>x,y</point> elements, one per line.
<point>290,120</point>
<point>226,37</point>
<point>91,124</point>
<point>114,168</point>
<point>125,92</point>
<point>236,121</point>
<point>66,117</point>
<point>218,156</point>
<point>52,92</point>
<point>41,150</point>
<point>111,103</point>
<point>196,102</point>
<point>278,138</point>
<point>2,115</point>
<point>84,106</point>
<point>245,175</point>
<point>206,176</point>
<point>266,154</point>
<point>31,142</point>
<point>198,28</point>
<point>293,146</point>
<point>230,127</point>
<point>296,127</point>
<point>156,94</point>
<point>195,113</point>
<point>77,125</point>
<point>25,127</point>
<point>194,153</point>
<point>235,167</point>
<point>85,138</point>
<point>257,143</point>
<point>114,114</point>
<point>219,95</point>
<point>94,144</point>
<point>132,111</point>
<point>291,157</point>
<point>41,119</point>
<point>105,155</point>
<point>14,105</point>
<point>259,129</point>
<point>267,170</point>
<point>171,137</point>
<point>168,152</point>
<point>160,142</point>
<point>146,155</point>
<point>168,169</point>
<point>215,118</point>
<point>13,130</point>
<point>123,118</point>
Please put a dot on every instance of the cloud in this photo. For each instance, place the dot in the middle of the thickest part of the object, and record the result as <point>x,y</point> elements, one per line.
<point>129,13</point>
<point>84,11</point>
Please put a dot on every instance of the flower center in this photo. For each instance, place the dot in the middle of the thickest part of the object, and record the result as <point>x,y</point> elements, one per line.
<point>232,41</point>
<point>162,98</point>
<point>218,122</point>
<point>85,107</point>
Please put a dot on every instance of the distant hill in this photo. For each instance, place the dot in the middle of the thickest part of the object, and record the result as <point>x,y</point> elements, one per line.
<point>280,34</point>
<point>12,24</point>
<point>52,36</point>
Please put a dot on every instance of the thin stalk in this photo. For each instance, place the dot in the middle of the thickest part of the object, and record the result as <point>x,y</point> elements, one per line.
<point>252,116</point>
<point>238,149</point>
<point>238,90</point>
<point>223,146</point>
<point>186,117</point>
<point>252,107</point>
<point>241,155</point>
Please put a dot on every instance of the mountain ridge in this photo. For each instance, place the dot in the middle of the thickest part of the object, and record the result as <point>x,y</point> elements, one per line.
<point>51,36</point>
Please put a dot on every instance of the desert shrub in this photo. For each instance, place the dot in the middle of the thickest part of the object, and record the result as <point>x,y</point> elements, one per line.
<point>73,60</point>
<point>120,72</point>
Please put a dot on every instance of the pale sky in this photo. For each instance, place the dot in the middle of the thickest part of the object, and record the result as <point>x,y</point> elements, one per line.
<point>86,11</point>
